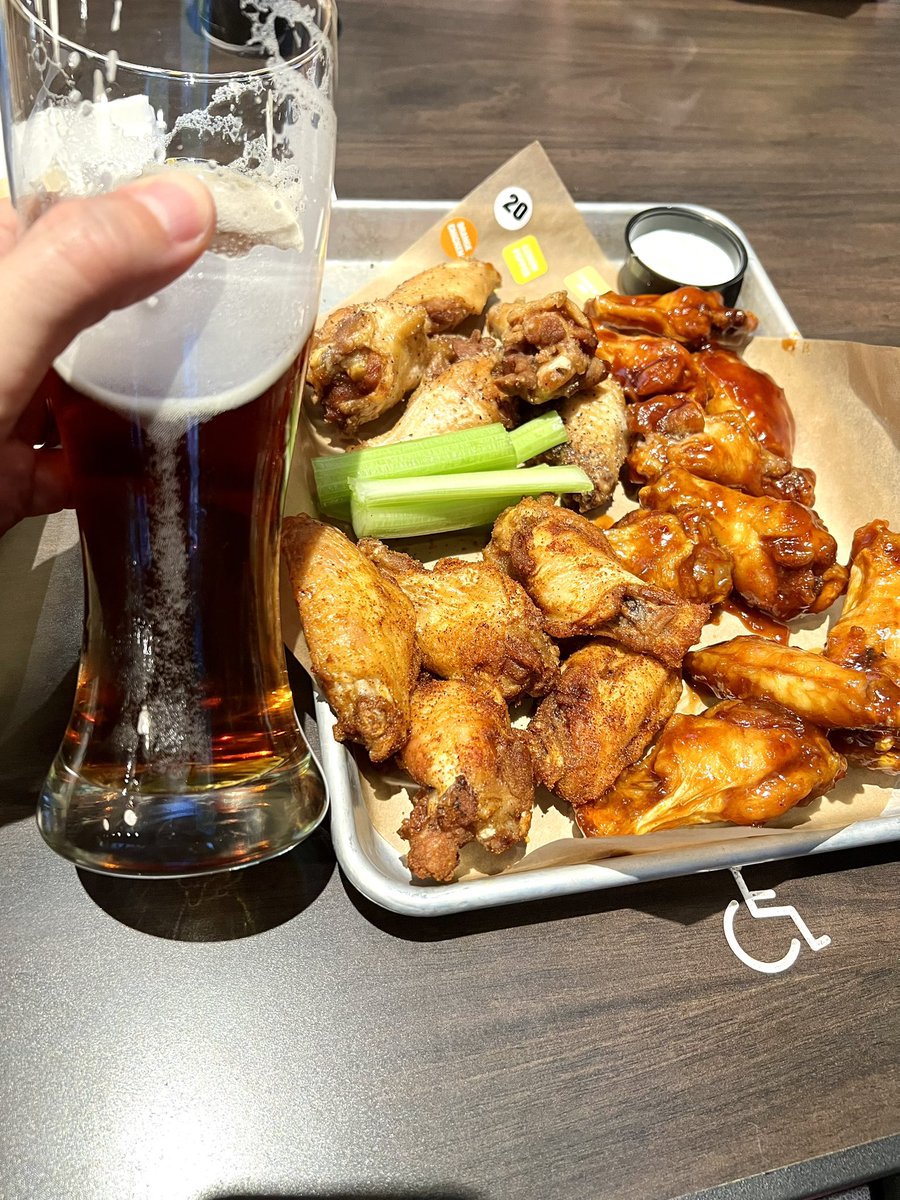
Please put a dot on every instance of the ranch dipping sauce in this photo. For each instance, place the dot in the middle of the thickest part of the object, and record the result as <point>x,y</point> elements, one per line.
<point>687,257</point>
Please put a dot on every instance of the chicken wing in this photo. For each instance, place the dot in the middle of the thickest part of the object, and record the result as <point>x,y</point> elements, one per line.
<point>361,633</point>
<point>472,622</point>
<point>568,568</point>
<point>810,685</point>
<point>364,360</point>
<point>732,383</point>
<point>689,314</point>
<point>868,632</point>
<point>548,348</point>
<point>674,551</point>
<point>598,439</point>
<point>475,771</point>
<point>463,396</point>
<point>872,749</point>
<point>451,292</point>
<point>784,557</point>
<point>652,366</point>
<point>599,719</point>
<point>740,762</point>
<point>726,451</point>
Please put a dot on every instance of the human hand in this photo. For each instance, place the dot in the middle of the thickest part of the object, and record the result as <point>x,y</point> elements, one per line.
<point>77,263</point>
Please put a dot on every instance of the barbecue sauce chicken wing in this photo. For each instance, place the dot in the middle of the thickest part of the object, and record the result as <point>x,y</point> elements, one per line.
<point>690,315</point>
<point>599,719</point>
<point>547,348</point>
<point>361,633</point>
<point>867,637</point>
<point>784,557</point>
<point>674,551</point>
<point>725,451</point>
<point>740,762</point>
<point>653,367</point>
<point>472,622</point>
<point>476,774</point>
<point>364,360</point>
<point>568,568</point>
<point>809,684</point>
<point>450,292</point>
<point>597,433</point>
<point>733,384</point>
<point>868,633</point>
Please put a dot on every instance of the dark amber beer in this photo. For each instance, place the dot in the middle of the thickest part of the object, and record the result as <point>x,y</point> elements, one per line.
<point>183,751</point>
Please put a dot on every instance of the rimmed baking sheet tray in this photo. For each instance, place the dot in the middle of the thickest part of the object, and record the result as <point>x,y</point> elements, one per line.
<point>366,236</point>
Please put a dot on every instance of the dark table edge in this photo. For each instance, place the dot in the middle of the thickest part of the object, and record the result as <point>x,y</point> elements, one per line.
<point>816,1177</point>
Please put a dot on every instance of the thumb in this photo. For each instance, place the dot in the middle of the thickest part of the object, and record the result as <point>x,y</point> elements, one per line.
<point>83,259</point>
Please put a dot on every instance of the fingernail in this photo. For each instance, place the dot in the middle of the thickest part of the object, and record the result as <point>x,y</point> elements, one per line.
<point>183,207</point>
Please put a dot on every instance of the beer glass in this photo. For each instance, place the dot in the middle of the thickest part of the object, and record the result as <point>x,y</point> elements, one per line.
<point>183,753</point>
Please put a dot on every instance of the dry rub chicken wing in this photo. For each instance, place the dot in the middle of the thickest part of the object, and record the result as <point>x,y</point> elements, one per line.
<point>472,622</point>
<point>451,292</point>
<point>814,687</point>
<point>364,360</point>
<point>476,774</point>
<point>725,451</point>
<point>568,568</point>
<point>598,439</point>
<point>547,348</point>
<point>689,314</point>
<point>740,762</point>
<point>600,718</point>
<point>784,557</point>
<point>673,550</point>
<point>461,397</point>
<point>361,634</point>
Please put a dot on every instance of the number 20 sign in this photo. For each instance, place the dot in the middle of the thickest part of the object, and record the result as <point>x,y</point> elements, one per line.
<point>513,208</point>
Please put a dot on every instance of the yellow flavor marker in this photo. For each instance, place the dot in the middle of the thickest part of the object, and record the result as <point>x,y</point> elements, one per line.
<point>584,283</point>
<point>525,259</point>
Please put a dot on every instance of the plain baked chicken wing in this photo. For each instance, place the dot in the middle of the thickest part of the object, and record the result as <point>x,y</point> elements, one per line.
<point>472,622</point>
<point>476,774</point>
<point>461,397</point>
<point>599,719</point>
<point>450,292</point>
<point>810,685</point>
<point>689,314</point>
<point>597,434</point>
<point>725,451</point>
<point>746,763</point>
<point>547,348</point>
<point>673,550</point>
<point>364,360</point>
<point>568,568</point>
<point>361,633</point>
<point>784,557</point>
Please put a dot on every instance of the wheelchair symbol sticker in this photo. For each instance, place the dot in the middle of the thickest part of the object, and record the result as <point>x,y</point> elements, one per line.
<point>782,910</point>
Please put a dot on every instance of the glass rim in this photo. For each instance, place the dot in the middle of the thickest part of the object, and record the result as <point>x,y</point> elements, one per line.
<point>328,32</point>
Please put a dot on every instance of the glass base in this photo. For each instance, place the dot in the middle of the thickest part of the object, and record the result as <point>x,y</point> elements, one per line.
<point>180,832</point>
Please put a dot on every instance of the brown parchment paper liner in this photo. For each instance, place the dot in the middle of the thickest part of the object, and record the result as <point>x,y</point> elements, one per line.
<point>845,400</point>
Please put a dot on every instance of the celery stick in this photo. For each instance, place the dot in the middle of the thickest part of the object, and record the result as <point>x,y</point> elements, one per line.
<point>418,519</point>
<point>534,437</point>
<point>486,447</point>
<point>477,485</point>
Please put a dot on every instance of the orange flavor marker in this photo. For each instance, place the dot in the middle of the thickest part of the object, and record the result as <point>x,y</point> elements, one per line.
<point>459,238</point>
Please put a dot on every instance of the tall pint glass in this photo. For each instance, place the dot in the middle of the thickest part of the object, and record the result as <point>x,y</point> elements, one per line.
<point>183,753</point>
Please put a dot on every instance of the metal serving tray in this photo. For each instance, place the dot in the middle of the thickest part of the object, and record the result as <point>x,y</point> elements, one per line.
<point>366,236</point>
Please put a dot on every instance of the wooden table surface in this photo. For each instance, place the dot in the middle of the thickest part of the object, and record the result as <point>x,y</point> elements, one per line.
<point>273,1033</point>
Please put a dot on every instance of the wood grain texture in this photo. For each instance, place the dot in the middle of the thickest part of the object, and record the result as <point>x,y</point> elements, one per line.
<point>780,114</point>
